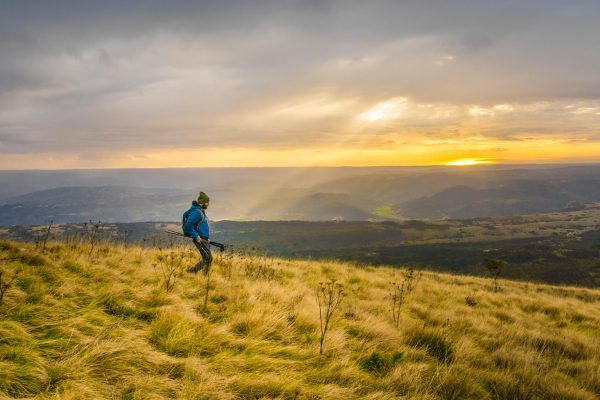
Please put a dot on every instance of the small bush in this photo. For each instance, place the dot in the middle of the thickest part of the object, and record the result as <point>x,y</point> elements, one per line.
<point>495,268</point>
<point>363,331</point>
<point>399,292</point>
<point>218,299</point>
<point>329,297</point>
<point>380,364</point>
<point>353,331</point>
<point>471,301</point>
<point>241,328</point>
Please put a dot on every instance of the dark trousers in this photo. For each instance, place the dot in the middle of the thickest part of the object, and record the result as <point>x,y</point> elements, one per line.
<point>204,249</point>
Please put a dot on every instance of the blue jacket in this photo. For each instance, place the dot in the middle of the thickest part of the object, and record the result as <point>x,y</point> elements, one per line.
<point>195,223</point>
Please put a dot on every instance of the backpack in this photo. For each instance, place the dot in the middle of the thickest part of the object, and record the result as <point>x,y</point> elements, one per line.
<point>185,217</point>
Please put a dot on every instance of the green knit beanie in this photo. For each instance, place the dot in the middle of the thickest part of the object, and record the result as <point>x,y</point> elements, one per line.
<point>203,198</point>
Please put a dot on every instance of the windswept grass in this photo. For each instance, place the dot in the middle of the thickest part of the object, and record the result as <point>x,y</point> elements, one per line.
<point>81,326</point>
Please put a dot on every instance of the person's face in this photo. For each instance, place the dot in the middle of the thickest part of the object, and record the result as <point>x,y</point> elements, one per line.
<point>205,205</point>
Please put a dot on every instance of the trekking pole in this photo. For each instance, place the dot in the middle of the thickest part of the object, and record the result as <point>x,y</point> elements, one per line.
<point>218,245</point>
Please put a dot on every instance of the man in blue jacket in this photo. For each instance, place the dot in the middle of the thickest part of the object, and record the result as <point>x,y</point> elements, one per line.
<point>195,226</point>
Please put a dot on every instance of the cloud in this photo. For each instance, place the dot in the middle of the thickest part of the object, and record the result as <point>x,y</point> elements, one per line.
<point>145,76</point>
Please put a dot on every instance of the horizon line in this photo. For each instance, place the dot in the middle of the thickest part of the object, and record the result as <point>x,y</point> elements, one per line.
<point>478,166</point>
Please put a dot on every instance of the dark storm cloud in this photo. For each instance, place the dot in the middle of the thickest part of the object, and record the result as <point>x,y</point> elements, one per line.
<point>113,74</point>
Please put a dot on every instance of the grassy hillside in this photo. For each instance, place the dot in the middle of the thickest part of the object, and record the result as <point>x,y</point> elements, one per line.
<point>76,325</point>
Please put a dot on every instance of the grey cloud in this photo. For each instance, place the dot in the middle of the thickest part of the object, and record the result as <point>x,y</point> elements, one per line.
<point>78,74</point>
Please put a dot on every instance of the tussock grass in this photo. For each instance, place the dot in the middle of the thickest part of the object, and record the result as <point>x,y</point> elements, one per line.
<point>79,326</point>
<point>380,364</point>
<point>434,342</point>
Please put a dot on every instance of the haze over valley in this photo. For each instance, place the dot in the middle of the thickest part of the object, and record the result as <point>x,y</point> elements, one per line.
<point>308,194</point>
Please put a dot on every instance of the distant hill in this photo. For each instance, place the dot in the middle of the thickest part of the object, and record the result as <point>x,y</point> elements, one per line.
<point>131,204</point>
<point>310,194</point>
<point>17,183</point>
<point>509,198</point>
<point>306,206</point>
<point>106,203</point>
<point>380,189</point>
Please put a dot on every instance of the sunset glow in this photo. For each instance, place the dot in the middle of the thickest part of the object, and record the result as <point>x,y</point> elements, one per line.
<point>468,161</point>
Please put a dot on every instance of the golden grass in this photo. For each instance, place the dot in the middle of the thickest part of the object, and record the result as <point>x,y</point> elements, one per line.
<point>76,326</point>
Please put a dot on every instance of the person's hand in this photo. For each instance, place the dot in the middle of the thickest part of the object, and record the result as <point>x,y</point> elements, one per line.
<point>198,239</point>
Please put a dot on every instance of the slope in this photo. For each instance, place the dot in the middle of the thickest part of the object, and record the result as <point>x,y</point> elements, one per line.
<point>83,322</point>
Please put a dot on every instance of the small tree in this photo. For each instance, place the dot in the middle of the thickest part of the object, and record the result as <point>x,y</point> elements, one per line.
<point>5,285</point>
<point>169,264</point>
<point>47,235</point>
<point>226,261</point>
<point>91,230</point>
<point>207,270</point>
<point>206,291</point>
<point>399,291</point>
<point>329,297</point>
<point>495,268</point>
<point>397,296</point>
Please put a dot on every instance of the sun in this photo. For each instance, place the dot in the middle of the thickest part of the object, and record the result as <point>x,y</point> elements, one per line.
<point>469,161</point>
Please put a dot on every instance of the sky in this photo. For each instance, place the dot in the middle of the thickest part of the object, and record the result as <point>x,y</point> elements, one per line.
<point>109,84</point>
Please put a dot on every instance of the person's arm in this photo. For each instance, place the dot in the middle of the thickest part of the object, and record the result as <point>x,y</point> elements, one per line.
<point>204,229</point>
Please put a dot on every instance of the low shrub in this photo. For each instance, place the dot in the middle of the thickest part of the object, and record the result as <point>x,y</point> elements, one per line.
<point>380,364</point>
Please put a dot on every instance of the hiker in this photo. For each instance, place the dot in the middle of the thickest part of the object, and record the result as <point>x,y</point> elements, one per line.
<point>195,226</point>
